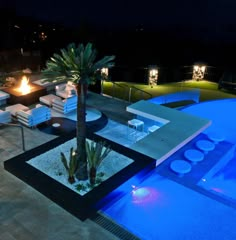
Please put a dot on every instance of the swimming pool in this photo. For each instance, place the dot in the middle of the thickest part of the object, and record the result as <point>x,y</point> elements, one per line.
<point>221,179</point>
<point>160,208</point>
<point>221,112</point>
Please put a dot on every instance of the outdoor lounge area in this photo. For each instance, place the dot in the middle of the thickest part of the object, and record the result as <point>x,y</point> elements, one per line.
<point>117,121</point>
<point>34,106</point>
<point>96,224</point>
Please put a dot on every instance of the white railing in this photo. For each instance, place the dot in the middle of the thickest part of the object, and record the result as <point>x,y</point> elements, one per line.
<point>189,95</point>
<point>128,92</point>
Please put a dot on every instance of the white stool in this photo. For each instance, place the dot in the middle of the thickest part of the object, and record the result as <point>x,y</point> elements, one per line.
<point>153,128</point>
<point>215,137</point>
<point>205,145</point>
<point>194,155</point>
<point>180,167</point>
<point>136,125</point>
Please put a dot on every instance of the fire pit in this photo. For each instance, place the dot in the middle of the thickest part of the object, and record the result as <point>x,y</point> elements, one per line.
<point>25,93</point>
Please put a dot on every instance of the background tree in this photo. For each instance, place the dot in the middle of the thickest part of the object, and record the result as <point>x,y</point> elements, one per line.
<point>77,64</point>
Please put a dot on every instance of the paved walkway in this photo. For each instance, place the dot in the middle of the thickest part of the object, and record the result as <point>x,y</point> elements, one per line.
<point>25,214</point>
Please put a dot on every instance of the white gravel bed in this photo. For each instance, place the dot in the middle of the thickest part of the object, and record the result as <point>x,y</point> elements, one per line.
<point>50,163</point>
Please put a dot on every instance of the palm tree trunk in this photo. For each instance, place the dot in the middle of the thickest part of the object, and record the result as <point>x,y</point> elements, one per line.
<point>82,172</point>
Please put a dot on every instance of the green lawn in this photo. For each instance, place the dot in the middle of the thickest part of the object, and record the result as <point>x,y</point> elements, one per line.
<point>209,90</point>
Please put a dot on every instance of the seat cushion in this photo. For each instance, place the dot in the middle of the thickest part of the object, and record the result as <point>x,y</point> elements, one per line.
<point>39,110</point>
<point>15,108</point>
<point>34,116</point>
<point>5,116</point>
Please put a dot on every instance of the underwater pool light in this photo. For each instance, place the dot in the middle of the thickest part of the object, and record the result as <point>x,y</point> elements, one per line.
<point>143,194</point>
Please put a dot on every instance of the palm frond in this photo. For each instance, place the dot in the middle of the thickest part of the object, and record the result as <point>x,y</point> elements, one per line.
<point>105,62</point>
<point>76,63</point>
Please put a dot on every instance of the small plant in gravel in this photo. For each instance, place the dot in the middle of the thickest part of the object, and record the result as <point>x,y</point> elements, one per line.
<point>87,186</point>
<point>96,152</point>
<point>71,165</point>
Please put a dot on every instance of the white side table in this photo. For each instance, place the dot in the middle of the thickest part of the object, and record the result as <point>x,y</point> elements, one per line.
<point>135,125</point>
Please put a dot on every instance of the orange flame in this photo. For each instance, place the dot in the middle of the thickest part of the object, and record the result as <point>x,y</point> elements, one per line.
<point>24,87</point>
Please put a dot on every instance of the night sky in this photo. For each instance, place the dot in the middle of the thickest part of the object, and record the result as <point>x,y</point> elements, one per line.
<point>214,20</point>
<point>123,13</point>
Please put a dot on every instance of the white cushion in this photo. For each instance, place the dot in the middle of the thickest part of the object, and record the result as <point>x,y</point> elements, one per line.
<point>5,116</point>
<point>34,116</point>
<point>66,105</point>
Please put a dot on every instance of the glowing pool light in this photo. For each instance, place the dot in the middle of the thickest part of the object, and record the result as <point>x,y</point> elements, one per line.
<point>144,195</point>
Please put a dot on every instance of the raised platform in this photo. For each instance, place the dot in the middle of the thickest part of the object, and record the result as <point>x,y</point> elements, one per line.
<point>179,128</point>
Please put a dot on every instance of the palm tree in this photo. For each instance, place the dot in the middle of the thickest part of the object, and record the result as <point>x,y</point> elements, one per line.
<point>77,64</point>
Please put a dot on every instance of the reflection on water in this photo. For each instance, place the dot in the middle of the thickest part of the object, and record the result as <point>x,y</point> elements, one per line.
<point>223,182</point>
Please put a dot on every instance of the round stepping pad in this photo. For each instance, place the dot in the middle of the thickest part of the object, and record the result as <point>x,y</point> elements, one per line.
<point>180,167</point>
<point>205,145</point>
<point>194,155</point>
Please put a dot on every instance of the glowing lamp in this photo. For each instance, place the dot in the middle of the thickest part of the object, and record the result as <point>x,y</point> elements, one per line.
<point>198,72</point>
<point>142,195</point>
<point>104,72</point>
<point>104,76</point>
<point>152,76</point>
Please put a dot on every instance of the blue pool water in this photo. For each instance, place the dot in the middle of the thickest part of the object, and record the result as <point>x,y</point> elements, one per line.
<point>222,114</point>
<point>159,208</point>
<point>220,179</point>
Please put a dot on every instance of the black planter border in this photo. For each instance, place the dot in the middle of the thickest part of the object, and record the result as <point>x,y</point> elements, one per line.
<point>80,206</point>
